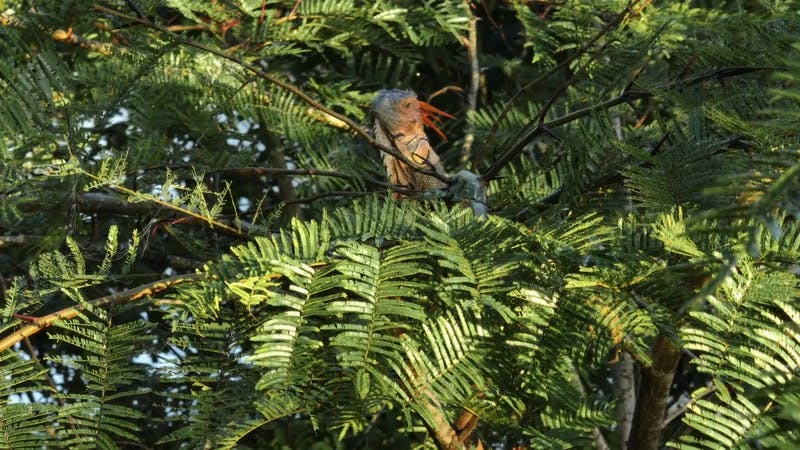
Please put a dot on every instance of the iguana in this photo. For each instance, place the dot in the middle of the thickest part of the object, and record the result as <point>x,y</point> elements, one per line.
<point>399,120</point>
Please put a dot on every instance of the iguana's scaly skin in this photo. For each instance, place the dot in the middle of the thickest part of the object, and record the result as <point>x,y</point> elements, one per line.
<point>399,124</point>
<point>399,118</point>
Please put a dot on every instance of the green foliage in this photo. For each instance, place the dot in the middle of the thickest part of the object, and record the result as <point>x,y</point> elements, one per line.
<point>381,307</point>
<point>322,314</point>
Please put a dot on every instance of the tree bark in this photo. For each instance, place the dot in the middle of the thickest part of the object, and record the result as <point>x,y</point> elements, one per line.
<point>625,395</point>
<point>652,401</point>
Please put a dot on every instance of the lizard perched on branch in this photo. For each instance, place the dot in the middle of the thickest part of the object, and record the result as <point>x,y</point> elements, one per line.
<point>399,120</point>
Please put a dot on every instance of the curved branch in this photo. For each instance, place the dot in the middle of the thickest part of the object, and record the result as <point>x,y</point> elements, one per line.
<point>583,49</point>
<point>626,96</point>
<point>255,170</point>
<point>471,44</point>
<point>505,158</point>
<point>213,223</point>
<point>354,127</point>
<point>129,295</point>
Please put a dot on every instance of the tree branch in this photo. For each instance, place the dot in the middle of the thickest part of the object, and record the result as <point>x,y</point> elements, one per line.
<point>96,202</point>
<point>471,44</point>
<point>250,170</point>
<point>679,410</point>
<point>322,195</point>
<point>505,158</point>
<point>626,96</point>
<point>599,440</point>
<point>583,49</point>
<point>354,127</point>
<point>443,433</point>
<point>70,37</point>
<point>466,425</point>
<point>120,297</point>
<point>213,223</point>
<point>725,72</point>
<point>651,405</point>
<point>278,159</point>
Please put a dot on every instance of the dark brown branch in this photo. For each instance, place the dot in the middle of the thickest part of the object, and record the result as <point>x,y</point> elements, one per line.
<point>583,49</point>
<point>727,72</point>
<point>277,159</point>
<point>627,96</point>
<point>471,44</point>
<point>354,127</point>
<point>651,405</point>
<point>47,378</point>
<point>129,295</point>
<point>660,143</point>
<point>553,197</point>
<point>70,37</point>
<point>546,108</point>
<point>322,195</point>
<point>132,5</point>
<point>95,202</point>
<point>505,158</point>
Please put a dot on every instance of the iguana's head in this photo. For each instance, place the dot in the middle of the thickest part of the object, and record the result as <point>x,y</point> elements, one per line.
<point>399,113</point>
<point>399,119</point>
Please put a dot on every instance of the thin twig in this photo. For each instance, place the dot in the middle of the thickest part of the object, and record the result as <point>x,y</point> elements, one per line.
<point>675,413</point>
<point>73,311</point>
<point>210,221</point>
<point>354,127</point>
<point>139,12</point>
<point>47,378</point>
<point>496,26</point>
<point>626,96</point>
<point>553,197</point>
<point>309,172</point>
<point>321,195</point>
<point>294,9</point>
<point>660,143</point>
<point>583,49</point>
<point>546,108</point>
<point>505,158</point>
<point>539,119</point>
<point>72,38</point>
<point>725,72</point>
<point>471,44</point>
<point>266,171</point>
<point>283,171</point>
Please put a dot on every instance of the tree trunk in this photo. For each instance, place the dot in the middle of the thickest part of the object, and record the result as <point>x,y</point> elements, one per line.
<point>652,401</point>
